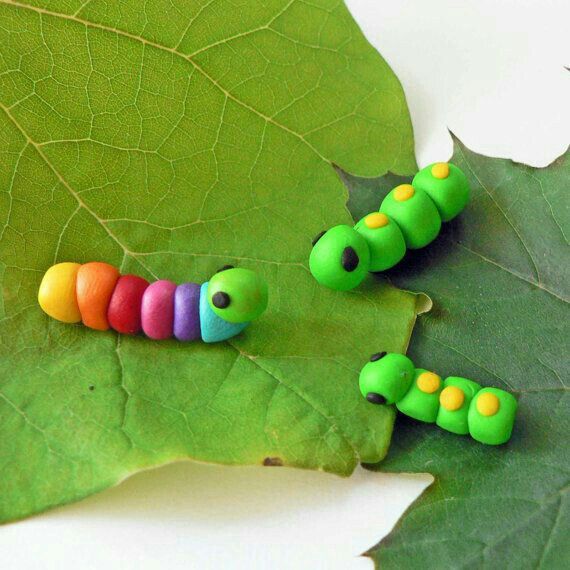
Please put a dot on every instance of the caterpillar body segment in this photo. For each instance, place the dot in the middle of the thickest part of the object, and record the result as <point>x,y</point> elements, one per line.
<point>446,185</point>
<point>124,311</point>
<point>456,404</point>
<point>94,287</point>
<point>57,296</point>
<point>414,213</point>
<point>410,217</point>
<point>385,241</point>
<point>213,328</point>
<point>97,295</point>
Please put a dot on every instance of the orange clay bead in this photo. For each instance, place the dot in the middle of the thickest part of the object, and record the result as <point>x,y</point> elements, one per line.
<point>95,284</point>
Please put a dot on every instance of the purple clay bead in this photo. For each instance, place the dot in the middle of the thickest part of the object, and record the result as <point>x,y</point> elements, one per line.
<point>187,312</point>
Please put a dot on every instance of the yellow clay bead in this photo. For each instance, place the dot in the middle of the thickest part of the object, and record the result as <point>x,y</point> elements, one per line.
<point>57,292</point>
<point>452,398</point>
<point>488,404</point>
<point>428,382</point>
<point>440,170</point>
<point>403,192</point>
<point>376,220</point>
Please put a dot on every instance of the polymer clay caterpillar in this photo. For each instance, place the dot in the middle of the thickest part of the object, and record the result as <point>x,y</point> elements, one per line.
<point>96,294</point>
<point>455,404</point>
<point>410,216</point>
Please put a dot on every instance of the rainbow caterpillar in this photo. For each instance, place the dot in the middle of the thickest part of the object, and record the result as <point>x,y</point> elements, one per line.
<point>457,404</point>
<point>410,216</point>
<point>96,294</point>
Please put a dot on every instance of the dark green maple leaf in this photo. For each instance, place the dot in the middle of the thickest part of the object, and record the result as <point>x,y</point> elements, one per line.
<point>499,279</point>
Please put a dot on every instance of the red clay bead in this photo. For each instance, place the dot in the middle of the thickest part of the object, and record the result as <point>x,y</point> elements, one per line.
<point>124,312</point>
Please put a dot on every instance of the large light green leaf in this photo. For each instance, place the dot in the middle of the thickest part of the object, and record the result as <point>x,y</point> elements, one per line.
<point>499,279</point>
<point>171,138</point>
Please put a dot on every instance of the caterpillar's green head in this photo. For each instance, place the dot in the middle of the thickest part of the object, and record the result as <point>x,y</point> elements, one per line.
<point>340,258</point>
<point>386,378</point>
<point>237,295</point>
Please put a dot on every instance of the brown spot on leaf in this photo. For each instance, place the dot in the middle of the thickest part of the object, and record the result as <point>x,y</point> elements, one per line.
<point>273,462</point>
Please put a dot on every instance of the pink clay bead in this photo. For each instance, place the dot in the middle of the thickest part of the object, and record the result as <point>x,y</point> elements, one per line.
<point>157,309</point>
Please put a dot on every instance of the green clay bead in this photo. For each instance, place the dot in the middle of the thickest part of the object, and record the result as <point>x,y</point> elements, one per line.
<point>340,258</point>
<point>492,415</point>
<point>385,240</point>
<point>386,378</point>
<point>446,185</point>
<point>415,213</point>
<point>454,402</point>
<point>422,400</point>
<point>237,295</point>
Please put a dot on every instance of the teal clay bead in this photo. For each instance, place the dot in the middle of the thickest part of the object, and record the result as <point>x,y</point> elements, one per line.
<point>385,240</point>
<point>340,258</point>
<point>446,185</point>
<point>415,213</point>
<point>386,378</point>
<point>422,400</point>
<point>454,402</point>
<point>492,415</point>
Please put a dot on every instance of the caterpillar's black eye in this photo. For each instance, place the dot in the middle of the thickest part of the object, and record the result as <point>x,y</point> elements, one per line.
<point>221,300</point>
<point>375,398</point>
<point>225,268</point>
<point>349,259</point>
<point>318,237</point>
<point>377,356</point>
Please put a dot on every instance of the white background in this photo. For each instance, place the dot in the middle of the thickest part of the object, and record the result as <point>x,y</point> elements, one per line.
<point>493,73</point>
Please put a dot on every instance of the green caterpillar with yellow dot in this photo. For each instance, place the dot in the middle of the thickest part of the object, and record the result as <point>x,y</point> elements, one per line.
<point>410,217</point>
<point>455,404</point>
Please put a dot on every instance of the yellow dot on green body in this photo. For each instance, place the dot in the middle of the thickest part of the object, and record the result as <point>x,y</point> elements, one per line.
<point>376,220</point>
<point>488,404</point>
<point>440,170</point>
<point>452,398</point>
<point>403,192</point>
<point>429,382</point>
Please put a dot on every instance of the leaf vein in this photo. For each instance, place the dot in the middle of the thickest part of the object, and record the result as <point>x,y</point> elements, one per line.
<point>200,69</point>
